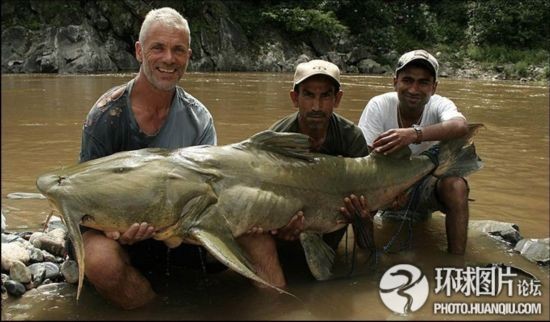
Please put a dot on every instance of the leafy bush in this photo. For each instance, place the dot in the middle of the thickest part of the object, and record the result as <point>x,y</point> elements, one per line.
<point>299,20</point>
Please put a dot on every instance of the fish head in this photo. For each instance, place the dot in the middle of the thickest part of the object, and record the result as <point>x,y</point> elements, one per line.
<point>125,182</point>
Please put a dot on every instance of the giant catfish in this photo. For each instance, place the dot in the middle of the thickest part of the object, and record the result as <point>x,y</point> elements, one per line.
<point>212,194</point>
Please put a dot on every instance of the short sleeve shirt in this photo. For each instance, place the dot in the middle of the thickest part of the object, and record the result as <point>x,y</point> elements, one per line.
<point>111,127</point>
<point>380,115</point>
<point>343,138</point>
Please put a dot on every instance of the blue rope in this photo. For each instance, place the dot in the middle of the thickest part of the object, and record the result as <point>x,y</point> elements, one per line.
<point>405,217</point>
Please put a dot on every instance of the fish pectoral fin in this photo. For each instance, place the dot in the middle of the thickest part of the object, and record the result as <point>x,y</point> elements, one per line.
<point>319,255</point>
<point>225,248</point>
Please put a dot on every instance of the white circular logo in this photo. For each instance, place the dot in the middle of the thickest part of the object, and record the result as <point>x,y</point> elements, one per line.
<point>404,288</point>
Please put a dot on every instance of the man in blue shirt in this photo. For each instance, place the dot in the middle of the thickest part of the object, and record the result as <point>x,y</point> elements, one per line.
<point>150,110</point>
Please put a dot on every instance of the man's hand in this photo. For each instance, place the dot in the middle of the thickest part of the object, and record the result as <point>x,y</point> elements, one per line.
<point>136,232</point>
<point>363,229</point>
<point>290,231</point>
<point>353,204</point>
<point>393,140</point>
<point>293,229</point>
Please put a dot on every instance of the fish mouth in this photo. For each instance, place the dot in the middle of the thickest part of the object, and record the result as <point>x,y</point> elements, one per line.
<point>47,181</point>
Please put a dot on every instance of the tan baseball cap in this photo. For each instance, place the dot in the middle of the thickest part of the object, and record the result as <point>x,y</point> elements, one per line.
<point>316,67</point>
<point>418,55</point>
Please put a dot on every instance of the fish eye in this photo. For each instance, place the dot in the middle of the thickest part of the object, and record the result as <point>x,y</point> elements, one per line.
<point>120,170</point>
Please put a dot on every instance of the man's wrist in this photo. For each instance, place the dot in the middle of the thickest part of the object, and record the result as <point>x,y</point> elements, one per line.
<point>418,130</point>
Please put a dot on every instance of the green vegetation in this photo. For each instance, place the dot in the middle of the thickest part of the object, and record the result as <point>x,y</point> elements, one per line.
<point>504,36</point>
<point>510,36</point>
<point>298,20</point>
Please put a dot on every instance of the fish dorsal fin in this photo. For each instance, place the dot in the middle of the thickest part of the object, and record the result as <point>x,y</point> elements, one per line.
<point>295,145</point>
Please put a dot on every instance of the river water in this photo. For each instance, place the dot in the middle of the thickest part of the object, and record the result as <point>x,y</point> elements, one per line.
<point>42,116</point>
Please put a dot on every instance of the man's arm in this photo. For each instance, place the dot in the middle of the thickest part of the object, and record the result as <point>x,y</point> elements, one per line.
<point>395,139</point>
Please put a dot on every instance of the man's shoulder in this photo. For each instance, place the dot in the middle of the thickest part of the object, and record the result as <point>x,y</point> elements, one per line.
<point>110,105</point>
<point>188,101</point>
<point>112,95</point>
<point>437,99</point>
<point>385,99</point>
<point>285,124</point>
<point>347,138</point>
<point>344,123</point>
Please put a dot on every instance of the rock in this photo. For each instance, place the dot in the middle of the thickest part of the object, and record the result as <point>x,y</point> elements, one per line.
<point>38,271</point>
<point>19,272</point>
<point>369,66</point>
<point>8,238</point>
<point>52,271</point>
<point>69,270</point>
<point>54,222</point>
<point>492,226</point>
<point>535,250</point>
<point>58,234</point>
<point>5,277</point>
<point>25,235</point>
<point>358,54</point>
<point>34,236</point>
<point>54,245</point>
<point>48,257</point>
<point>36,255</point>
<point>15,288</point>
<point>13,252</point>
<point>15,44</point>
<point>508,235</point>
<point>301,59</point>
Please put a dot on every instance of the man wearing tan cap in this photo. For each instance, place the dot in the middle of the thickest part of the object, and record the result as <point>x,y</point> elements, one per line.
<point>315,93</point>
<point>414,116</point>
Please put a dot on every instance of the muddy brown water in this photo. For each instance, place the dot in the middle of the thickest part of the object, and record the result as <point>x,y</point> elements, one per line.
<point>42,117</point>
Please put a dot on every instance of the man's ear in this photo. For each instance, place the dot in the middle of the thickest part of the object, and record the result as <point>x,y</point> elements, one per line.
<point>138,51</point>
<point>294,98</point>
<point>338,98</point>
<point>434,87</point>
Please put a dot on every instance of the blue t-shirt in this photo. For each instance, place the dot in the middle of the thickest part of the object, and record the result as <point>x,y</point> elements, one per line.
<point>111,127</point>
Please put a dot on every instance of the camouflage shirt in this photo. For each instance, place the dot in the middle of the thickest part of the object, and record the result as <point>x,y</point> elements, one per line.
<point>111,127</point>
<point>343,138</point>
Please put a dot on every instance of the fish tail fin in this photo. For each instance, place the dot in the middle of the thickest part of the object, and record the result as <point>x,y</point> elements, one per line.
<point>73,229</point>
<point>456,157</point>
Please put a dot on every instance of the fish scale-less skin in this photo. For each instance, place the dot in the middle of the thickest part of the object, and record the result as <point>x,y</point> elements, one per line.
<point>261,189</point>
<point>213,194</point>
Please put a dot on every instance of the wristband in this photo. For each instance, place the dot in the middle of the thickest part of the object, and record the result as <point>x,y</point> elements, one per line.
<point>418,130</point>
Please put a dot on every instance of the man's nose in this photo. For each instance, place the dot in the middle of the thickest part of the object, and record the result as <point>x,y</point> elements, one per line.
<point>413,88</point>
<point>316,104</point>
<point>169,56</point>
